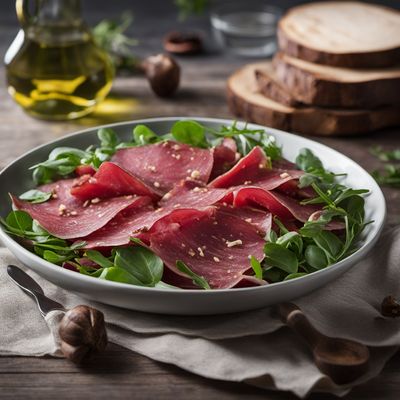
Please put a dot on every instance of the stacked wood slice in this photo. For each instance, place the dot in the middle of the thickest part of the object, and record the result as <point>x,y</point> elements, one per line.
<point>337,72</point>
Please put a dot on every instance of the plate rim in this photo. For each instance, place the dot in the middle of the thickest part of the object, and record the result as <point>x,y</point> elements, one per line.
<point>353,258</point>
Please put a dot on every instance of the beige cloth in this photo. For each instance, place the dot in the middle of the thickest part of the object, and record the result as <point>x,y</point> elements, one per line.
<point>252,347</point>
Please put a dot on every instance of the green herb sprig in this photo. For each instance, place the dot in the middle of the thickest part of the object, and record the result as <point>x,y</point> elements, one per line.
<point>390,176</point>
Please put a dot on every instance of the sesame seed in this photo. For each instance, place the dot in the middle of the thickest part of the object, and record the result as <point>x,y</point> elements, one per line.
<point>216,259</point>
<point>167,196</point>
<point>95,200</point>
<point>129,196</point>
<point>176,147</point>
<point>261,165</point>
<point>177,205</point>
<point>215,223</point>
<point>183,245</point>
<point>196,189</point>
<point>247,182</point>
<point>230,257</point>
<point>86,203</point>
<point>54,196</point>
<point>189,171</point>
<point>200,250</point>
<point>156,184</point>
<point>234,243</point>
<point>191,253</point>
<point>62,209</point>
<point>195,174</point>
<point>249,220</point>
<point>191,158</point>
<point>284,175</point>
<point>74,213</point>
<point>152,168</point>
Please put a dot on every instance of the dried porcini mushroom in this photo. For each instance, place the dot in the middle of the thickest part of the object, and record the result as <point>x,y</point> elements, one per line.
<point>390,307</point>
<point>163,74</point>
<point>183,43</point>
<point>82,332</point>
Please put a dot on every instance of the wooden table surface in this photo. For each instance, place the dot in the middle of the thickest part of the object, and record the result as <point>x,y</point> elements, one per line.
<point>119,373</point>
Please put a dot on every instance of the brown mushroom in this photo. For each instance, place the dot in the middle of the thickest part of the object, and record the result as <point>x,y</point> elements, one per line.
<point>390,307</point>
<point>163,74</point>
<point>183,43</point>
<point>82,332</point>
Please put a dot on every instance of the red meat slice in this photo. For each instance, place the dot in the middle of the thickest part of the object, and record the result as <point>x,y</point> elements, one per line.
<point>190,195</point>
<point>278,204</point>
<point>118,231</point>
<point>193,194</point>
<point>162,165</point>
<point>282,206</point>
<point>261,219</point>
<point>67,217</point>
<point>109,181</point>
<point>214,244</point>
<point>253,170</point>
<point>225,156</point>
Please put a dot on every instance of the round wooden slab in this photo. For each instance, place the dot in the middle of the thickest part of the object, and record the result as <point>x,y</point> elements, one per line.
<point>346,34</point>
<point>246,102</point>
<point>327,86</point>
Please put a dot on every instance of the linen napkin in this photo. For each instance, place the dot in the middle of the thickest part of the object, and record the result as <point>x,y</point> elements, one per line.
<point>252,347</point>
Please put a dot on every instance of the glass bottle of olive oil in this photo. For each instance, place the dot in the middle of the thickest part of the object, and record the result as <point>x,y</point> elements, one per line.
<point>54,68</point>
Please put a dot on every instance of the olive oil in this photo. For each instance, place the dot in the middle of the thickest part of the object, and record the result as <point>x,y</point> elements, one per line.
<point>56,71</point>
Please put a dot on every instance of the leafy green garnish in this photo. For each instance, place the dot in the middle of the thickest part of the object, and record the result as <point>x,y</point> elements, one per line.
<point>197,280</point>
<point>110,35</point>
<point>189,132</point>
<point>190,7</point>
<point>390,176</point>
<point>256,265</point>
<point>35,196</point>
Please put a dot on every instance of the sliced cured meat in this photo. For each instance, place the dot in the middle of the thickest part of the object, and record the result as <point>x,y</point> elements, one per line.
<point>193,194</point>
<point>81,170</point>
<point>190,195</point>
<point>67,217</point>
<point>162,165</point>
<point>282,206</point>
<point>248,169</point>
<point>259,218</point>
<point>254,170</point>
<point>225,156</point>
<point>214,244</point>
<point>118,231</point>
<point>109,181</point>
<point>277,203</point>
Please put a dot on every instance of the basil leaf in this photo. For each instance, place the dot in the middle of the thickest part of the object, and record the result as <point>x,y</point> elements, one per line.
<point>271,274</point>
<point>280,257</point>
<point>140,262</point>
<point>108,137</point>
<point>255,264</point>
<point>116,274</point>
<point>307,161</point>
<point>144,135</point>
<point>329,243</point>
<point>315,257</point>
<point>20,220</point>
<point>197,280</point>
<point>67,152</point>
<point>189,132</point>
<point>35,196</point>
<point>54,258</point>
<point>99,259</point>
<point>294,276</point>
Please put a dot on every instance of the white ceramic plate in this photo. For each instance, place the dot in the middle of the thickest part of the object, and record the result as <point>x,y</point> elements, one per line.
<point>17,179</point>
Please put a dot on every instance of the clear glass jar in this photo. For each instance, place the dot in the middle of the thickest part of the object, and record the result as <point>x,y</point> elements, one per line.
<point>54,68</point>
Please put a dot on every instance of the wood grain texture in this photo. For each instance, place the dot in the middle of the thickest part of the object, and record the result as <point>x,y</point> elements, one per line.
<point>327,86</point>
<point>118,373</point>
<point>342,34</point>
<point>246,102</point>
